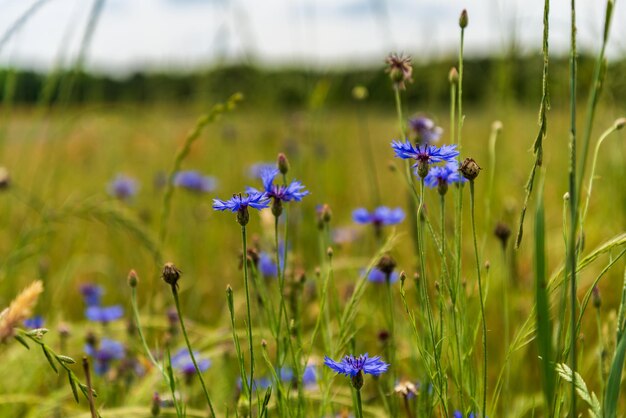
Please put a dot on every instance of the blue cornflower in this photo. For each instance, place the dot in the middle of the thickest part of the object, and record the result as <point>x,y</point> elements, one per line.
<point>459,414</point>
<point>195,181</point>
<point>377,276</point>
<point>286,374</point>
<point>107,351</point>
<point>380,216</point>
<point>309,377</point>
<point>256,170</point>
<point>293,191</point>
<point>182,362</point>
<point>123,187</point>
<point>442,176</point>
<point>34,322</point>
<point>425,129</point>
<point>92,293</point>
<point>104,314</point>
<point>239,204</point>
<point>424,154</point>
<point>267,266</point>
<point>355,367</point>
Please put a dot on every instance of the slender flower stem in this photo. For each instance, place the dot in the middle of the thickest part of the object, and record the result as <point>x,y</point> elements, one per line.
<point>391,345</point>
<point>573,192</point>
<point>482,302</point>
<point>133,302</point>
<point>92,405</point>
<point>244,241</point>
<point>359,406</point>
<point>401,124</point>
<point>193,357</point>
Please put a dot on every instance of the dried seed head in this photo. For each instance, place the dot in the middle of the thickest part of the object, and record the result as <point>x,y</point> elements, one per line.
<point>329,252</point>
<point>132,278</point>
<point>469,169</point>
<point>282,163</point>
<point>264,343</point>
<point>405,389</point>
<point>386,264</point>
<point>502,232</point>
<point>171,274</point>
<point>402,277</point>
<point>597,300</point>
<point>463,19</point>
<point>383,336</point>
<point>400,69</point>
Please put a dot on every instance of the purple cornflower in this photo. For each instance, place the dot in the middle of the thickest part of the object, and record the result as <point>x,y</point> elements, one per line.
<point>239,204</point>
<point>294,191</point>
<point>104,314</point>
<point>425,130</point>
<point>459,414</point>
<point>123,187</point>
<point>92,293</point>
<point>34,322</point>
<point>195,181</point>
<point>424,154</point>
<point>182,362</point>
<point>377,276</point>
<point>380,216</point>
<point>355,367</point>
<point>442,176</point>
<point>107,351</point>
<point>309,377</point>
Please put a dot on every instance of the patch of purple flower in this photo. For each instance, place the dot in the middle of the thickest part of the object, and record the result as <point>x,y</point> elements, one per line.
<point>107,351</point>
<point>425,129</point>
<point>92,294</point>
<point>286,193</point>
<point>195,181</point>
<point>34,323</point>
<point>446,174</point>
<point>427,154</point>
<point>104,314</point>
<point>377,276</point>
<point>380,216</point>
<point>123,187</point>
<point>182,362</point>
<point>256,200</point>
<point>350,366</point>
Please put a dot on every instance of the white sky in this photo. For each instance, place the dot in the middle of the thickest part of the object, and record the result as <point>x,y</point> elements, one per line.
<point>137,34</point>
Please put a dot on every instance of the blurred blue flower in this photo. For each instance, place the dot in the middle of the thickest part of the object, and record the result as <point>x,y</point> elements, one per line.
<point>377,276</point>
<point>350,366</point>
<point>425,129</point>
<point>309,378</point>
<point>256,200</point>
<point>195,181</point>
<point>446,174</point>
<point>382,215</point>
<point>267,266</point>
<point>293,191</point>
<point>259,384</point>
<point>459,414</point>
<point>107,351</point>
<point>123,187</point>
<point>286,374</point>
<point>256,170</point>
<point>92,293</point>
<point>104,314</point>
<point>427,154</point>
<point>34,322</point>
<point>183,363</point>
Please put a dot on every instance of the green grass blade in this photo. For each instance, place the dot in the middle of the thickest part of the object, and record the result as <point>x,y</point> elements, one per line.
<point>611,397</point>
<point>544,324</point>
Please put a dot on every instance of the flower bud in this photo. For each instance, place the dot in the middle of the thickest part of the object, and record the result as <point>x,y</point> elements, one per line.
<point>5,179</point>
<point>469,169</point>
<point>282,163</point>
<point>463,19</point>
<point>277,207</point>
<point>502,232</point>
<point>243,217</point>
<point>132,278</point>
<point>329,252</point>
<point>386,264</point>
<point>357,380</point>
<point>619,124</point>
<point>422,168</point>
<point>155,410</point>
<point>453,76</point>
<point>171,274</point>
<point>597,300</point>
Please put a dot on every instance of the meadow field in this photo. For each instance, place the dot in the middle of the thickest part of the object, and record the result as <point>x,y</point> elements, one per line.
<point>117,262</point>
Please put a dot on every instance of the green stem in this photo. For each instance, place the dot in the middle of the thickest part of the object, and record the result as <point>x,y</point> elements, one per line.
<point>133,302</point>
<point>244,241</point>
<point>359,406</point>
<point>482,302</point>
<point>401,124</point>
<point>193,357</point>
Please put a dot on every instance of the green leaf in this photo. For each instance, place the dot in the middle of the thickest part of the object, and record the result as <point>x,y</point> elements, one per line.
<point>22,341</point>
<point>611,397</point>
<point>73,386</point>
<point>49,358</point>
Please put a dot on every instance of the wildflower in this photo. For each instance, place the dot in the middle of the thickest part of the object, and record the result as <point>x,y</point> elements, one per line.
<point>282,163</point>
<point>459,414</point>
<point>284,193</point>
<point>309,377</point>
<point>380,216</point>
<point>123,187</point>
<point>267,266</point>
<point>442,176</point>
<point>19,309</point>
<point>256,170</point>
<point>425,129</point>
<point>424,154</point>
<point>377,276</point>
<point>92,294</point>
<point>399,69</point>
<point>354,367</point>
<point>107,351</point>
<point>182,362</point>
<point>34,322</point>
<point>386,264</point>
<point>324,215</point>
<point>469,169</point>
<point>406,389</point>
<point>104,314</point>
<point>194,181</point>
<point>239,204</point>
